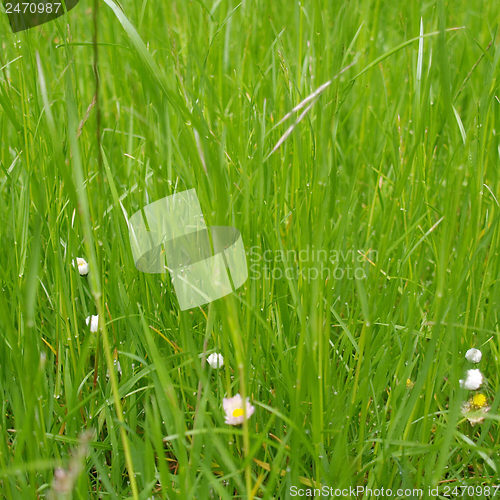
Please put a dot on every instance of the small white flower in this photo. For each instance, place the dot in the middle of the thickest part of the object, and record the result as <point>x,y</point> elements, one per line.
<point>215,360</point>
<point>473,355</point>
<point>82,265</point>
<point>233,407</point>
<point>473,380</point>
<point>94,323</point>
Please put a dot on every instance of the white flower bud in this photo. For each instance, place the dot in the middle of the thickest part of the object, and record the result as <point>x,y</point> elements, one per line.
<point>472,381</point>
<point>215,360</point>
<point>93,321</point>
<point>473,355</point>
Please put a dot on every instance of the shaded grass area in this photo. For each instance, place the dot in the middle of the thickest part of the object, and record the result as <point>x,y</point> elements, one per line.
<point>392,175</point>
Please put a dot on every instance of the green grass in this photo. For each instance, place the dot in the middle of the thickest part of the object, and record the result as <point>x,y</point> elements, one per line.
<point>396,159</point>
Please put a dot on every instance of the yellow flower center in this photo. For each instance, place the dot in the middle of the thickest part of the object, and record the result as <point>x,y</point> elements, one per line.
<point>238,412</point>
<point>479,400</point>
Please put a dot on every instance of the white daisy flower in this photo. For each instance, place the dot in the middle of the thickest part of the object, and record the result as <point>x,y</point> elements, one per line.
<point>473,355</point>
<point>82,265</point>
<point>233,407</point>
<point>475,409</point>
<point>215,360</point>
<point>473,380</point>
<point>93,321</point>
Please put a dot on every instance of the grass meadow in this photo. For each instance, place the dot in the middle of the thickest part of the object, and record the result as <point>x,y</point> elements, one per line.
<point>355,146</point>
